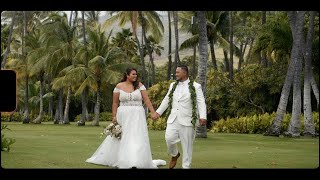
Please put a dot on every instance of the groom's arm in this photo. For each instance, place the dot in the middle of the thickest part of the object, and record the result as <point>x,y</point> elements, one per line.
<point>201,102</point>
<point>165,102</point>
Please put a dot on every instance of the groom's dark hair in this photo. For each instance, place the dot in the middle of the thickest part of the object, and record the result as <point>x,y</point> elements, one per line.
<point>184,67</point>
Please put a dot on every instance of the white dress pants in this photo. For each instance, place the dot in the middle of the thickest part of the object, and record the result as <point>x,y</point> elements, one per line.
<point>176,132</point>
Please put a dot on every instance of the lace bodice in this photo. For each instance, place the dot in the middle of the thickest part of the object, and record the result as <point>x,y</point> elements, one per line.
<point>130,99</point>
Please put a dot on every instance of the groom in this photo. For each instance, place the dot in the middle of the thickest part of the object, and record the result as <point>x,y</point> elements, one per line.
<point>179,122</point>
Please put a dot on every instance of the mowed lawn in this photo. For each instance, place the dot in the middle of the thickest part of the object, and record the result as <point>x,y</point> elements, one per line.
<point>68,146</point>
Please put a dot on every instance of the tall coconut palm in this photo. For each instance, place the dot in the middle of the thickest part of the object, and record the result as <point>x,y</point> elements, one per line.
<point>37,61</point>
<point>142,19</point>
<point>231,45</point>
<point>124,40</point>
<point>169,70</point>
<point>309,129</point>
<point>188,24</point>
<point>275,38</point>
<point>62,36</point>
<point>27,21</point>
<point>264,53</point>
<point>296,24</point>
<point>7,51</point>
<point>242,34</point>
<point>176,34</point>
<point>294,125</point>
<point>201,131</point>
<point>214,19</point>
<point>102,57</point>
<point>98,72</point>
<point>84,93</point>
<point>153,25</point>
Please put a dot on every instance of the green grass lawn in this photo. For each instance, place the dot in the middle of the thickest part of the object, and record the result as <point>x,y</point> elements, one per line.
<point>68,146</point>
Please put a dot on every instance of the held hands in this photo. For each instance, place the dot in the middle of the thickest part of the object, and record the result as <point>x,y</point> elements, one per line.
<point>155,116</point>
<point>202,122</point>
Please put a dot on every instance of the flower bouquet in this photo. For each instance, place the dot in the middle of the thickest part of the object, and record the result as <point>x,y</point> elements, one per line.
<point>113,129</point>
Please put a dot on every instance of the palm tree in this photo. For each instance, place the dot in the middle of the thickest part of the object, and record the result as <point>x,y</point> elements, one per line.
<point>201,131</point>
<point>98,72</point>
<point>7,51</point>
<point>296,24</point>
<point>37,61</point>
<point>27,21</point>
<point>169,71</point>
<point>309,129</point>
<point>102,58</point>
<point>176,33</point>
<point>231,45</point>
<point>264,53</point>
<point>148,47</point>
<point>84,93</point>
<point>189,25</point>
<point>124,40</point>
<point>153,25</point>
<point>275,38</point>
<point>214,25</point>
<point>294,125</point>
<point>63,43</point>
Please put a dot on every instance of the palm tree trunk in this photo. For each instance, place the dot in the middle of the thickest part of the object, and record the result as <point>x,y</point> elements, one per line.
<point>194,62</point>
<point>84,107</point>
<point>226,61</point>
<point>250,49</point>
<point>242,51</point>
<point>8,42</point>
<point>309,128</point>
<point>294,125</point>
<point>201,131</point>
<point>176,33</point>
<point>39,118</point>
<point>213,56</point>
<point>231,46</point>
<point>264,52</point>
<point>26,103</point>
<point>95,122</point>
<point>141,51</point>
<point>84,92</point>
<point>296,28</point>
<point>50,108</point>
<point>243,46</point>
<point>70,18</point>
<point>141,60</point>
<point>60,106</point>
<point>56,114</point>
<point>169,51</point>
<point>75,22</point>
<point>315,88</point>
<point>66,109</point>
<point>147,45</point>
<point>87,114</point>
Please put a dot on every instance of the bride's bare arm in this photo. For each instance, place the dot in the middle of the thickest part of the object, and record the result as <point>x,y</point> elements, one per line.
<point>146,100</point>
<point>115,104</point>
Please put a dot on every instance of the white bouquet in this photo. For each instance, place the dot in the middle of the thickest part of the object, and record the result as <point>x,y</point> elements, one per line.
<point>113,129</point>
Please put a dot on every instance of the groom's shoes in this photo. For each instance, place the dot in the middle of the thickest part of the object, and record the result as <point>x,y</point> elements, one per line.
<point>173,161</point>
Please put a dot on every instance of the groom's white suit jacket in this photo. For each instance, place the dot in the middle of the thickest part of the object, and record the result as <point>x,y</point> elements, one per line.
<point>181,105</point>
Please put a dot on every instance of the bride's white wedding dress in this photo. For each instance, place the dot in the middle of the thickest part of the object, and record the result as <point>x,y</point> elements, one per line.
<point>133,149</point>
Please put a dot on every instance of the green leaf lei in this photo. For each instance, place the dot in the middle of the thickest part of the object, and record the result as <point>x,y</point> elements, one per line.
<point>193,100</point>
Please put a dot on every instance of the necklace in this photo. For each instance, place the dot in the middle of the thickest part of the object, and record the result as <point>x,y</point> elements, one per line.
<point>193,100</point>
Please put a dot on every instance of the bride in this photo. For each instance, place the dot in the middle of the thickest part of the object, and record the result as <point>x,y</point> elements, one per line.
<point>133,149</point>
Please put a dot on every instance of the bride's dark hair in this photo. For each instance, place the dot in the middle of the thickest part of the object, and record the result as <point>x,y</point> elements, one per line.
<point>127,73</point>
